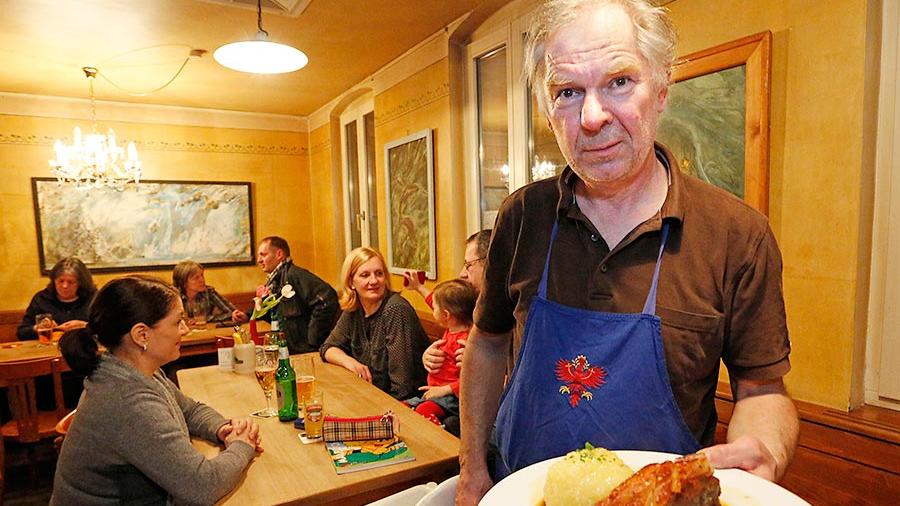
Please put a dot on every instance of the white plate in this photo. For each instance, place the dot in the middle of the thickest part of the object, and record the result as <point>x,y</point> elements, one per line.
<point>739,488</point>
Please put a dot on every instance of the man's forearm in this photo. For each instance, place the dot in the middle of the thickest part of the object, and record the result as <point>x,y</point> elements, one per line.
<point>484,366</point>
<point>765,411</point>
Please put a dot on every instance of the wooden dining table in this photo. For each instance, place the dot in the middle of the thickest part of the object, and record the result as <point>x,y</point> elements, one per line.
<point>200,341</point>
<point>195,342</point>
<point>290,472</point>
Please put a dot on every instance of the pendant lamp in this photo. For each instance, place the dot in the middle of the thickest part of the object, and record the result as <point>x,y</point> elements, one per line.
<point>260,56</point>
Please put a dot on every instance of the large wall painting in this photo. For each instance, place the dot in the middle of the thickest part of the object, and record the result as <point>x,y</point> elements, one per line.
<point>717,119</point>
<point>409,185</point>
<point>149,225</point>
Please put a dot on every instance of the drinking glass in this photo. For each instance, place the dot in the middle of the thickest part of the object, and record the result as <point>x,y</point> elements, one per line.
<point>198,309</point>
<point>266,364</point>
<point>306,377</point>
<point>314,414</point>
<point>44,324</point>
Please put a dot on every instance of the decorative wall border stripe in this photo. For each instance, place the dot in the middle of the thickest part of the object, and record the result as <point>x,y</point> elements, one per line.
<point>411,104</point>
<point>324,145</point>
<point>198,147</point>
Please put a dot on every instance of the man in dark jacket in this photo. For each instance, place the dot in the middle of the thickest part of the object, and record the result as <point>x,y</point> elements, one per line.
<point>308,317</point>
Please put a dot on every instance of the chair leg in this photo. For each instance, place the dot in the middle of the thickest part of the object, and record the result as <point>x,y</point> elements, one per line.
<point>32,462</point>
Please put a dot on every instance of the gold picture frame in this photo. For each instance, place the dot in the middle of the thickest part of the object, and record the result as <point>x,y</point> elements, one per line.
<point>743,64</point>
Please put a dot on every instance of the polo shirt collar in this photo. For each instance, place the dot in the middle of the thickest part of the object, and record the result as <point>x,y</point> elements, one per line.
<point>672,208</point>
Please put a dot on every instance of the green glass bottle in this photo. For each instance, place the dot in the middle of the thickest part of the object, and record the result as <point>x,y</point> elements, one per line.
<point>285,383</point>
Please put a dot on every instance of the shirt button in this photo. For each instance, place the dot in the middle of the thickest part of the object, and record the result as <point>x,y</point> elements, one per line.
<point>594,237</point>
<point>603,268</point>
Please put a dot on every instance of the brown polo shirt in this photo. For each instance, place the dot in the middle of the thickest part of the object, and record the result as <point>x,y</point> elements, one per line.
<point>720,293</point>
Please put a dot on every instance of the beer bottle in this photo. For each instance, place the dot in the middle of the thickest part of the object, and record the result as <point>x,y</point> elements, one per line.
<point>285,383</point>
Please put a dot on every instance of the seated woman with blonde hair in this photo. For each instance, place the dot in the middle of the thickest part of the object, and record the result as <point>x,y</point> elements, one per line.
<point>378,336</point>
<point>201,301</point>
<point>130,442</point>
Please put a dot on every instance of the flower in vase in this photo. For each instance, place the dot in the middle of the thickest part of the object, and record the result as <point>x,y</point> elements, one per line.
<point>265,300</point>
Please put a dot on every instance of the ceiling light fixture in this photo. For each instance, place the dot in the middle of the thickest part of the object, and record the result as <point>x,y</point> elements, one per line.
<point>260,56</point>
<point>94,160</point>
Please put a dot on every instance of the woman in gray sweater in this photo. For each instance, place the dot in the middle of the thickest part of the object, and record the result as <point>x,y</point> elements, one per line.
<point>130,440</point>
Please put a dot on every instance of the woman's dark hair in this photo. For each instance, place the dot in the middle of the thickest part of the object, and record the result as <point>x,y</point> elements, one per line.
<point>117,307</point>
<point>75,267</point>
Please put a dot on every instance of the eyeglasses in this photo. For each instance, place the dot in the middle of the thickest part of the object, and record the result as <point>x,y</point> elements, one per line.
<point>468,265</point>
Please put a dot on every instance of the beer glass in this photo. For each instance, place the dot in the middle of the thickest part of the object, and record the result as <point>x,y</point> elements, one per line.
<point>266,364</point>
<point>314,415</point>
<point>306,377</point>
<point>44,324</point>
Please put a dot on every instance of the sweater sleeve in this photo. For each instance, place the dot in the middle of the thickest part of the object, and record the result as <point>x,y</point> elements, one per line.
<point>405,343</point>
<point>220,308</point>
<point>202,420</point>
<point>340,335</point>
<point>25,331</point>
<point>151,439</point>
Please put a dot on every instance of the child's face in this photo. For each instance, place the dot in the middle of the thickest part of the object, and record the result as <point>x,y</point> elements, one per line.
<point>439,314</point>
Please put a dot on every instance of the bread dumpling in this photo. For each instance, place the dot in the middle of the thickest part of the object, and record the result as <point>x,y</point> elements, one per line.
<point>584,477</point>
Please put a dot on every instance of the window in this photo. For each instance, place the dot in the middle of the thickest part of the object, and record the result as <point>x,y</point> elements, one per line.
<point>358,160</point>
<point>511,143</point>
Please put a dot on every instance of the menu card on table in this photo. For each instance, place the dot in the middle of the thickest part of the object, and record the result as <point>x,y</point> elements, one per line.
<point>352,456</point>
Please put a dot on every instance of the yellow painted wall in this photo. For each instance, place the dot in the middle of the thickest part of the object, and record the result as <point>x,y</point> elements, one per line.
<point>420,102</point>
<point>326,198</point>
<point>276,163</point>
<point>816,168</point>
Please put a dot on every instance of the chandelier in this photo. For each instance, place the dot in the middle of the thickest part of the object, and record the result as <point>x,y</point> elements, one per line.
<point>260,56</point>
<point>95,160</point>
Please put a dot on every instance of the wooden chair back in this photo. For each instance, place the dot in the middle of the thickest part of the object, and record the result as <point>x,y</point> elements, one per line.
<point>22,396</point>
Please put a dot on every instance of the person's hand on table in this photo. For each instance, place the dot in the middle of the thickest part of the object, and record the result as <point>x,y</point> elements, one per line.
<point>71,325</point>
<point>359,369</point>
<point>747,453</point>
<point>433,357</point>
<point>436,391</point>
<point>241,429</point>
<point>238,316</point>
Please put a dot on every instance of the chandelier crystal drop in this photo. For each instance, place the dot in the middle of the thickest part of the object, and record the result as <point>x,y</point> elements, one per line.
<point>95,160</point>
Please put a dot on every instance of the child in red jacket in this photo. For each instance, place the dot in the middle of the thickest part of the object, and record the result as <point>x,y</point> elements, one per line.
<point>454,303</point>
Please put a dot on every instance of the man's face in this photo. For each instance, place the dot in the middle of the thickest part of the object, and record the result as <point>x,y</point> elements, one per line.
<point>473,268</point>
<point>602,104</point>
<point>268,257</point>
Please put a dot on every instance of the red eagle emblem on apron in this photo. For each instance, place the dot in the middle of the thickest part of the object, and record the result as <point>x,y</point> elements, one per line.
<point>578,377</point>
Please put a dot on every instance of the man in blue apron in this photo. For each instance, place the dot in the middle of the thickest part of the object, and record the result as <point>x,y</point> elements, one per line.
<point>622,283</point>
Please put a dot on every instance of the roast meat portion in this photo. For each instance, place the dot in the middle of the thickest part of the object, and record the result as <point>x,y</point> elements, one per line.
<point>687,481</point>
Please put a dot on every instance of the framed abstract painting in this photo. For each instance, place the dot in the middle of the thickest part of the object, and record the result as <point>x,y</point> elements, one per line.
<point>409,186</point>
<point>717,118</point>
<point>149,225</point>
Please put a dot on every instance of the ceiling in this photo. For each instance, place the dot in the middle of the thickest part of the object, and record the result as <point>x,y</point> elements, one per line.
<point>140,44</point>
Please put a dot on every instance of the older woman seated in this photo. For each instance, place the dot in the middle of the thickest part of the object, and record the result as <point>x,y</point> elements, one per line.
<point>130,442</point>
<point>378,336</point>
<point>66,299</point>
<point>201,302</point>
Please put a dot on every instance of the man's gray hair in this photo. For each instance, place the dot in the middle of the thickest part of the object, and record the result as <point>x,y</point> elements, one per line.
<point>654,32</point>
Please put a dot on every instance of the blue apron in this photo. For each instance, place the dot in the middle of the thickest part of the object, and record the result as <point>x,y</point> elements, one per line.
<point>589,376</point>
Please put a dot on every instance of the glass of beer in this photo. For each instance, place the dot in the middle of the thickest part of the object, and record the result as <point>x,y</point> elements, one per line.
<point>44,325</point>
<point>314,415</point>
<point>266,364</point>
<point>306,377</point>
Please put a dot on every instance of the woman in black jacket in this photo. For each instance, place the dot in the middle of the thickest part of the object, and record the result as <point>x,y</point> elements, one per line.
<point>66,297</point>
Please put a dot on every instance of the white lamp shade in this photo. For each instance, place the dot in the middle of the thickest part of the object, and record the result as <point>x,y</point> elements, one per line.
<point>260,57</point>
